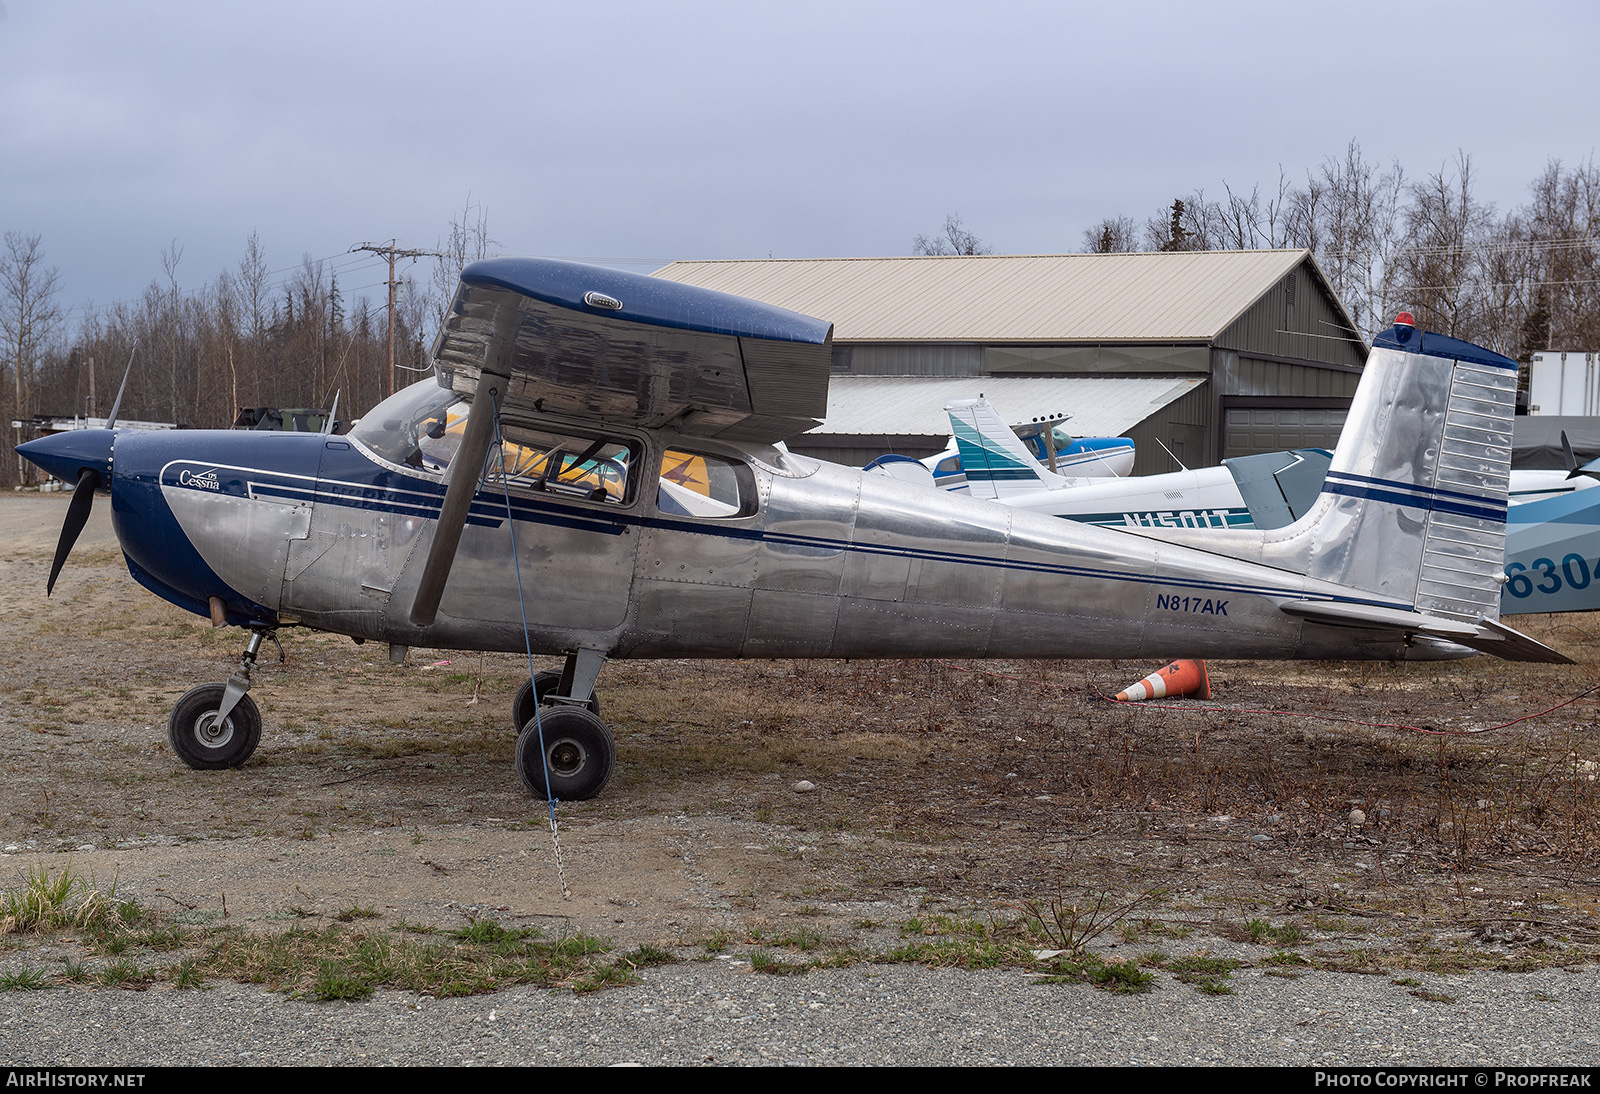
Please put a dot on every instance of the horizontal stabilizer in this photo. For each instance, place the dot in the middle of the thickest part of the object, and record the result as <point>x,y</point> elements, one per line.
<point>1485,636</point>
<point>1502,641</point>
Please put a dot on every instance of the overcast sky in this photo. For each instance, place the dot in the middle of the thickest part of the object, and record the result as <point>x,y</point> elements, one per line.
<point>642,132</point>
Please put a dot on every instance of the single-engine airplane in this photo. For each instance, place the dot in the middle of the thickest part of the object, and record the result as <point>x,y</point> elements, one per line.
<point>1264,490</point>
<point>1058,453</point>
<point>1268,490</point>
<point>1550,541</point>
<point>662,517</point>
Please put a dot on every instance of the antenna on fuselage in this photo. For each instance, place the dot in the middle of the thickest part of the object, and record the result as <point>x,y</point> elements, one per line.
<point>1171,454</point>
<point>111,422</point>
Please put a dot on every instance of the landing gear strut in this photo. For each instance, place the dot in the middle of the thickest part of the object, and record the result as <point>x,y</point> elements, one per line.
<point>217,725</point>
<point>565,752</point>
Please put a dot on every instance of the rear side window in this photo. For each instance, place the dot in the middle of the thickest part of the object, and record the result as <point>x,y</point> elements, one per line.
<point>697,484</point>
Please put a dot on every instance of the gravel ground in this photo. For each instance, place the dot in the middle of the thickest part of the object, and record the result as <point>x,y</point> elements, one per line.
<point>719,1012</point>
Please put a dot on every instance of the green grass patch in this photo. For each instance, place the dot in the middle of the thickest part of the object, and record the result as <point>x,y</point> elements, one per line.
<point>1118,977</point>
<point>1283,958</point>
<point>1209,975</point>
<point>336,962</point>
<point>47,901</point>
<point>1432,996</point>
<point>342,963</point>
<point>765,961</point>
<point>1265,933</point>
<point>25,980</point>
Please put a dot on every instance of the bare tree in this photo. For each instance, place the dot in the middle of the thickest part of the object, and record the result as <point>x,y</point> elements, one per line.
<point>252,288</point>
<point>1112,235</point>
<point>1254,222</point>
<point>1440,266</point>
<point>955,240</point>
<point>468,241</point>
<point>173,326</point>
<point>1560,229</point>
<point>1190,224</point>
<point>414,309</point>
<point>30,320</point>
<point>1350,216</point>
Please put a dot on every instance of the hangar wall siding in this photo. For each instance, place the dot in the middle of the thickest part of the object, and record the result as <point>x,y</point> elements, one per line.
<point>1184,427</point>
<point>1262,329</point>
<point>1295,320</point>
<point>1283,373</point>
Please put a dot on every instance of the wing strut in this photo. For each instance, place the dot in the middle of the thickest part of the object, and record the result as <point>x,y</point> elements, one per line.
<point>467,468</point>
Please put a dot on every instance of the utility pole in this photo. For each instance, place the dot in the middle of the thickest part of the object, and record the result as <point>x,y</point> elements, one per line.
<point>393,252</point>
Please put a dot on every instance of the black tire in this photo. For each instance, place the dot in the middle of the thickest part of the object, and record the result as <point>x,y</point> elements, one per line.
<point>193,732</point>
<point>577,747</point>
<point>544,683</point>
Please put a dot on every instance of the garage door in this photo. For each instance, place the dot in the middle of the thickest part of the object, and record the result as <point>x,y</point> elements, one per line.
<point>1248,430</point>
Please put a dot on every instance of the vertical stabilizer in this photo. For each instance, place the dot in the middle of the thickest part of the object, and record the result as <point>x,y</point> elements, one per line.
<point>994,459</point>
<point>1414,503</point>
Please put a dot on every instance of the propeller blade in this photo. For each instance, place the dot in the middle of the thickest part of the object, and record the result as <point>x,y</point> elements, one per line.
<point>72,527</point>
<point>1573,470</point>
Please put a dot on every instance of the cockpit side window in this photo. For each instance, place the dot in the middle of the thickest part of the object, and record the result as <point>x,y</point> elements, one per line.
<point>423,426</point>
<point>418,427</point>
<point>570,465</point>
<point>699,484</point>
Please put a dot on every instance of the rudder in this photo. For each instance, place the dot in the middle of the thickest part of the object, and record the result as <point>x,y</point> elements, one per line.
<point>1414,502</point>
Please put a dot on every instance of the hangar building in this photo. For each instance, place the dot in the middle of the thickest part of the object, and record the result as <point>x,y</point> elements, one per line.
<point>1212,353</point>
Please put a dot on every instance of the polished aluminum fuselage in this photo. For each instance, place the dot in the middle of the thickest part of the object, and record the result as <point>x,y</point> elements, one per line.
<point>320,531</point>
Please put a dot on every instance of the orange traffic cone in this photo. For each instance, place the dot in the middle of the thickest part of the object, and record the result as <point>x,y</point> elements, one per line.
<point>1177,679</point>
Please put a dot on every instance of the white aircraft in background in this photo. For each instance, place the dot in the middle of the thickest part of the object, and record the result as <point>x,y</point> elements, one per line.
<point>1265,490</point>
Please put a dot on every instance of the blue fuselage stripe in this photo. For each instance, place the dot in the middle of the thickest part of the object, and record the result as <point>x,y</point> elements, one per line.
<point>1417,497</point>
<point>425,503</point>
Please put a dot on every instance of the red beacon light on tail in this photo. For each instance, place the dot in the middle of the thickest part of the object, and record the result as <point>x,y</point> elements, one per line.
<point>1405,319</point>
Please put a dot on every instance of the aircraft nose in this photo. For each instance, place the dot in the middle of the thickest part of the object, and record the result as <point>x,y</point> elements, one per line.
<point>67,455</point>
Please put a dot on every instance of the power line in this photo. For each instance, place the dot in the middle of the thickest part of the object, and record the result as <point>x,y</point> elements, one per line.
<point>393,252</point>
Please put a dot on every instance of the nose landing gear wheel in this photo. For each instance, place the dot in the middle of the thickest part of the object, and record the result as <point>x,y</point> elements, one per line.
<point>578,749</point>
<point>205,743</point>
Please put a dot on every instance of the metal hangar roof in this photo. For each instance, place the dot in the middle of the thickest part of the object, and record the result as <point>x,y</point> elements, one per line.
<point>1189,296</point>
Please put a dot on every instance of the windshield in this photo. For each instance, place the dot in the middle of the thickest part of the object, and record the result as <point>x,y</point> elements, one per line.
<point>420,426</point>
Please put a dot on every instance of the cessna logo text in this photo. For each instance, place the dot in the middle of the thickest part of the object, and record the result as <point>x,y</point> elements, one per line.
<point>204,480</point>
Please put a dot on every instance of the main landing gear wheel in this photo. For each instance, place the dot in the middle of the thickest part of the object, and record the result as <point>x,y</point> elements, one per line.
<point>543,684</point>
<point>206,743</point>
<point>578,750</point>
